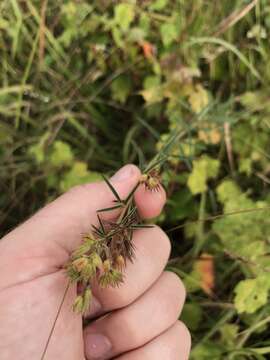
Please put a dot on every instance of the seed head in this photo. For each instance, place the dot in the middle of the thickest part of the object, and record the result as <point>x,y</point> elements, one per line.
<point>80,263</point>
<point>120,262</point>
<point>96,260</point>
<point>151,180</point>
<point>78,304</point>
<point>106,266</point>
<point>87,297</point>
<point>112,278</point>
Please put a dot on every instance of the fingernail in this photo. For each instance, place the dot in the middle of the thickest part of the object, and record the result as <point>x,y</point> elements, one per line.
<point>97,346</point>
<point>124,173</point>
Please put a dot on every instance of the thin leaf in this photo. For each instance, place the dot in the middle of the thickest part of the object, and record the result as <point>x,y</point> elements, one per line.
<point>141,226</point>
<point>228,46</point>
<point>110,208</point>
<point>101,224</point>
<point>112,189</point>
<point>132,193</point>
<point>98,231</point>
<point>218,216</point>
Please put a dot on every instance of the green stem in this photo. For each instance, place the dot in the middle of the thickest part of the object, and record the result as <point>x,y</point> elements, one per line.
<point>24,79</point>
<point>262,350</point>
<point>224,319</point>
<point>200,236</point>
<point>247,333</point>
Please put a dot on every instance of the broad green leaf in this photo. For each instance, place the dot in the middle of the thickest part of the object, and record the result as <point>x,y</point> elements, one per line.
<point>203,169</point>
<point>124,15</point>
<point>181,205</point>
<point>5,134</point>
<point>242,234</point>
<point>255,101</point>
<point>192,281</point>
<point>121,88</point>
<point>61,154</point>
<point>152,92</point>
<point>118,37</point>
<point>192,315</point>
<point>169,33</point>
<point>158,5</point>
<point>136,35</point>
<point>252,294</point>
<point>77,175</point>
<point>207,351</point>
<point>228,190</point>
<point>37,150</point>
<point>229,334</point>
<point>151,81</point>
<point>198,98</point>
<point>245,166</point>
<point>145,22</point>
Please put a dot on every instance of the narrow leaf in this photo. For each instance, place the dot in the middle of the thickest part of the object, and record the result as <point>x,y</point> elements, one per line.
<point>112,189</point>
<point>110,208</point>
<point>97,231</point>
<point>132,193</point>
<point>101,224</point>
<point>141,226</point>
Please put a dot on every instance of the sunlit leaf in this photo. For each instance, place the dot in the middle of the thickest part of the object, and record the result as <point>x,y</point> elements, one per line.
<point>124,15</point>
<point>203,169</point>
<point>77,175</point>
<point>252,294</point>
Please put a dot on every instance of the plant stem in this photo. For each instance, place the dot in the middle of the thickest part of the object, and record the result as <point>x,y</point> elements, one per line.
<point>55,321</point>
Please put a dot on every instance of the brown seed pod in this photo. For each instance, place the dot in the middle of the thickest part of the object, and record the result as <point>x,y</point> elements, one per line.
<point>151,180</point>
<point>120,262</point>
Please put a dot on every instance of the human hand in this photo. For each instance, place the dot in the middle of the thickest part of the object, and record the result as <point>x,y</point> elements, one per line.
<point>141,315</point>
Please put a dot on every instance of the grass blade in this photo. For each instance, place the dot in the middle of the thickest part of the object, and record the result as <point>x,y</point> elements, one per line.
<point>112,189</point>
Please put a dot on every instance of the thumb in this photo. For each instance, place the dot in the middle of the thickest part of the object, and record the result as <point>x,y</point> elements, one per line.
<point>44,242</point>
<point>63,221</point>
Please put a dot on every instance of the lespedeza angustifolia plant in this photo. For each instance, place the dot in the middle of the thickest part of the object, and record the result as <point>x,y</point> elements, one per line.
<point>106,248</point>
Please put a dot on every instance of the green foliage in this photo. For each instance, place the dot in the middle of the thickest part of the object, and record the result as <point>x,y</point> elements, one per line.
<point>243,234</point>
<point>121,88</point>
<point>89,86</point>
<point>61,154</point>
<point>203,169</point>
<point>207,351</point>
<point>192,315</point>
<point>169,33</point>
<point>252,294</point>
<point>78,174</point>
<point>124,15</point>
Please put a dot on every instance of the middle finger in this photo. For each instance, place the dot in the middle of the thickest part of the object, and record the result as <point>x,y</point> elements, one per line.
<point>152,249</point>
<point>138,323</point>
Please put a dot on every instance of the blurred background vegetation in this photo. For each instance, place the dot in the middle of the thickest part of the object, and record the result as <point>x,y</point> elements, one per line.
<point>87,86</point>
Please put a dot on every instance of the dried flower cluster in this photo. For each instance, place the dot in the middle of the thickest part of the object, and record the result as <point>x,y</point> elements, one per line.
<point>105,250</point>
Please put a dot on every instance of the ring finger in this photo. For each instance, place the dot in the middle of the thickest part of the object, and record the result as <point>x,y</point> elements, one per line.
<point>137,324</point>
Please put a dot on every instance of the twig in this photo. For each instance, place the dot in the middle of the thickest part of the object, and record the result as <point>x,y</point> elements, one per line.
<point>55,321</point>
<point>233,18</point>
<point>42,27</point>
<point>228,143</point>
<point>218,216</point>
<point>217,304</point>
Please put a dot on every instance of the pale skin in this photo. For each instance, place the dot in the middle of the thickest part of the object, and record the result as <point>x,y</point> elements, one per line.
<point>142,314</point>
